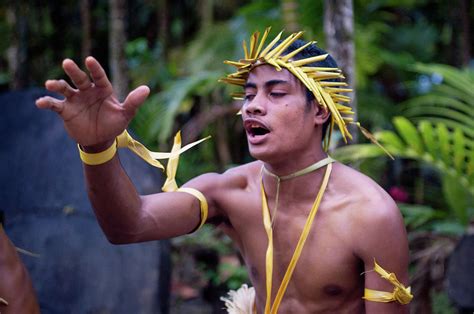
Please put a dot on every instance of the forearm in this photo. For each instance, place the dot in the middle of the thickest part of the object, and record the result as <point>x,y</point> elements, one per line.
<point>115,201</point>
<point>15,284</point>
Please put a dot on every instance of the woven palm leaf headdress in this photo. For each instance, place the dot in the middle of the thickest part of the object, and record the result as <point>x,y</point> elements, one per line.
<point>326,83</point>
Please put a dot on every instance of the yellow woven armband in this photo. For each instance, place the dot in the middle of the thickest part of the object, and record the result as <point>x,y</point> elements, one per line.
<point>202,203</point>
<point>400,293</point>
<point>126,141</point>
<point>94,159</point>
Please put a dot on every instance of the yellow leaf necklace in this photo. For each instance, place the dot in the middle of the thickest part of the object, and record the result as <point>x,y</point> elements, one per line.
<point>268,224</point>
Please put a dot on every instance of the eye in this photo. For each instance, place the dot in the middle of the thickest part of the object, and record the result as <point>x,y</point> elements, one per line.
<point>249,97</point>
<point>277,94</point>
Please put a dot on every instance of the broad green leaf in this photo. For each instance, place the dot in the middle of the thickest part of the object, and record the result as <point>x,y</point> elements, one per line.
<point>416,106</point>
<point>456,197</point>
<point>454,93</point>
<point>426,130</point>
<point>416,216</point>
<point>439,111</point>
<point>450,124</point>
<point>391,141</point>
<point>356,152</point>
<point>470,166</point>
<point>459,151</point>
<point>409,133</point>
<point>449,227</point>
<point>444,144</point>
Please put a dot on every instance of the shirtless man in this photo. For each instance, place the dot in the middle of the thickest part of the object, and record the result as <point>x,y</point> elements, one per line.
<point>356,223</point>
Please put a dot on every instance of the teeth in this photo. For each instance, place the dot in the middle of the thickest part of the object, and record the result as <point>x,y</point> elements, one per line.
<point>256,126</point>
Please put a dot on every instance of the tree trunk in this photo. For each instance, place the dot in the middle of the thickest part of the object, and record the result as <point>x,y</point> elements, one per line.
<point>117,42</point>
<point>86,46</point>
<point>207,15</point>
<point>17,53</point>
<point>163,25</point>
<point>339,31</point>
<point>290,15</point>
<point>465,33</point>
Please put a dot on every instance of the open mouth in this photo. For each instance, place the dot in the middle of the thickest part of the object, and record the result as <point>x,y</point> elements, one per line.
<point>255,129</point>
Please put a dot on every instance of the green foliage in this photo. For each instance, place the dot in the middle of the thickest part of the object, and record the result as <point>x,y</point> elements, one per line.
<point>156,118</point>
<point>234,275</point>
<point>441,303</point>
<point>449,151</point>
<point>451,102</point>
<point>146,66</point>
<point>207,237</point>
<point>419,216</point>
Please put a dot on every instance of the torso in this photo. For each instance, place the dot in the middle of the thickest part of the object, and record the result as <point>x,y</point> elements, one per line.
<point>327,277</point>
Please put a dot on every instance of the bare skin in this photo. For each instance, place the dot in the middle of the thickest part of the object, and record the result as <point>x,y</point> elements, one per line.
<point>356,222</point>
<point>15,284</point>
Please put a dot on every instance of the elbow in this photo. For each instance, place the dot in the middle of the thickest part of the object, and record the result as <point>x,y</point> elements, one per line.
<point>121,236</point>
<point>117,240</point>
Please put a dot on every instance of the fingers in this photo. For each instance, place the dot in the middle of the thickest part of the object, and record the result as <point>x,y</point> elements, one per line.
<point>97,73</point>
<point>50,103</point>
<point>79,78</point>
<point>60,87</point>
<point>136,98</point>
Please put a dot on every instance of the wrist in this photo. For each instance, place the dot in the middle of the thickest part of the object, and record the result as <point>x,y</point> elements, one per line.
<point>97,148</point>
<point>99,153</point>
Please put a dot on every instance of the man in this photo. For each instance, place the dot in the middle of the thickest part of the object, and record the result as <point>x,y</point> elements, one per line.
<point>268,207</point>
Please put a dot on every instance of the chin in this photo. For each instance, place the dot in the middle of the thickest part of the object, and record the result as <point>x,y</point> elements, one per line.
<point>262,154</point>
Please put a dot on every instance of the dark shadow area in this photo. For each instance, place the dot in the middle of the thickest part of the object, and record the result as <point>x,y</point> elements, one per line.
<point>47,212</point>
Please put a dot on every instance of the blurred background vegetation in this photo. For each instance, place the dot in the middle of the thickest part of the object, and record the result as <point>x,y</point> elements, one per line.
<point>413,75</point>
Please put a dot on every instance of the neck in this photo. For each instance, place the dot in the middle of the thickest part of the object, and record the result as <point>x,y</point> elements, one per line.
<point>288,168</point>
<point>313,167</point>
<point>308,174</point>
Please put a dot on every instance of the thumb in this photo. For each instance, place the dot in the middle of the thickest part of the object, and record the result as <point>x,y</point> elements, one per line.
<point>136,98</point>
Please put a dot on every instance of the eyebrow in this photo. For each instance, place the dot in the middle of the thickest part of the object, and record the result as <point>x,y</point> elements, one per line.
<point>267,84</point>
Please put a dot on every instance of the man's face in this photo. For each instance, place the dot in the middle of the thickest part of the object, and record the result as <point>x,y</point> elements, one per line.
<point>277,119</point>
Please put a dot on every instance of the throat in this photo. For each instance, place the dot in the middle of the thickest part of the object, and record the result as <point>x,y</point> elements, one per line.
<point>311,168</point>
<point>317,165</point>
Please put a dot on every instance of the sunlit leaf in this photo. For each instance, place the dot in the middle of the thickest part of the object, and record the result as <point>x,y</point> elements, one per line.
<point>409,133</point>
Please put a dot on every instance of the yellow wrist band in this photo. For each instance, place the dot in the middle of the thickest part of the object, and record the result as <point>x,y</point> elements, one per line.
<point>94,159</point>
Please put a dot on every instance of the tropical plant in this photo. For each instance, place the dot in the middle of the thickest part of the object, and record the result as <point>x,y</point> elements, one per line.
<point>449,151</point>
<point>442,139</point>
<point>450,99</point>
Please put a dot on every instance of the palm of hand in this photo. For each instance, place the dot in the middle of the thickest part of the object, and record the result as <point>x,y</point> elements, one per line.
<point>92,114</point>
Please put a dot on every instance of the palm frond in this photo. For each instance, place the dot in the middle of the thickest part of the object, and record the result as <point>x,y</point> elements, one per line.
<point>451,102</point>
<point>450,151</point>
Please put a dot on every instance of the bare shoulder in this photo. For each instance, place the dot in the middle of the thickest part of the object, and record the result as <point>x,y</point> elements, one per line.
<point>376,221</point>
<point>219,187</point>
<point>371,203</point>
<point>233,178</point>
<point>377,228</point>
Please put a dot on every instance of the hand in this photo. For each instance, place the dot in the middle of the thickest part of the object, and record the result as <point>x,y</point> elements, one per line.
<point>91,112</point>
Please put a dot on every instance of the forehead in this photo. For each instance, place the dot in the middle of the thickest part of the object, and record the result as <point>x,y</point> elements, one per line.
<point>265,73</point>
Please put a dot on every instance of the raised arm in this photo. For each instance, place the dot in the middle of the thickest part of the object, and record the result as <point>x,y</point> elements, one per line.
<point>94,117</point>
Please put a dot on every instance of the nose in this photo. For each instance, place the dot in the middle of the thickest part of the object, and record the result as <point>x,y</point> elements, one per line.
<point>255,106</point>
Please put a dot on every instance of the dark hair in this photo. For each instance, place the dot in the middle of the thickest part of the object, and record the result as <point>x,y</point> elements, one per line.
<point>312,51</point>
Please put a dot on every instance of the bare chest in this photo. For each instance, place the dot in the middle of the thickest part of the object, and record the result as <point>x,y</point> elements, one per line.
<point>327,273</point>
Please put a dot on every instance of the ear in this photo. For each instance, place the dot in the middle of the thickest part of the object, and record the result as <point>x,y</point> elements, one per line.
<point>321,114</point>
